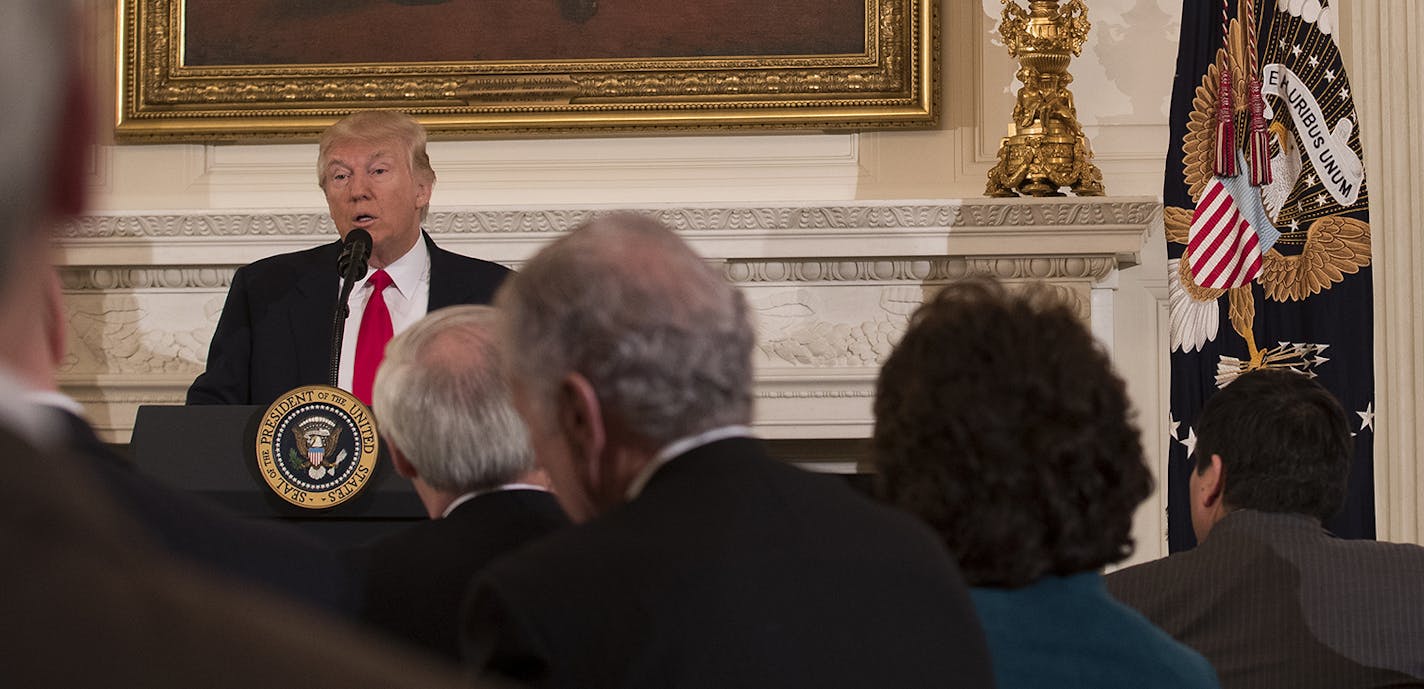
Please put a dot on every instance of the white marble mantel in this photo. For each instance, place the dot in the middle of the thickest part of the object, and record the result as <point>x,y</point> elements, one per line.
<point>832,285</point>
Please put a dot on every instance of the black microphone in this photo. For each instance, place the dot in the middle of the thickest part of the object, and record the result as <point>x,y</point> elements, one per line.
<point>355,251</point>
<point>351,266</point>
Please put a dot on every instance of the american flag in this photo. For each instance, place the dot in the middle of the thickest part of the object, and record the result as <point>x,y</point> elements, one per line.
<point>1222,248</point>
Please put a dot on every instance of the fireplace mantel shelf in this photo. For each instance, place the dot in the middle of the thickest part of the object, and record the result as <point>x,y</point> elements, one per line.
<point>832,284</point>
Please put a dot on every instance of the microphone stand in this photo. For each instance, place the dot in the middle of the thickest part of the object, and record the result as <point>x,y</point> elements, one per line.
<point>338,327</point>
<point>351,266</point>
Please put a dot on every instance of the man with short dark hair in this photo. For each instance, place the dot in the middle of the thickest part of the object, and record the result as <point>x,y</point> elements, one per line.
<point>699,561</point>
<point>1268,596</point>
<point>273,334</point>
<point>446,418</point>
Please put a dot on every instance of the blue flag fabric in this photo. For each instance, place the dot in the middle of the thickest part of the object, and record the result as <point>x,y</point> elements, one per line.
<point>1310,309</point>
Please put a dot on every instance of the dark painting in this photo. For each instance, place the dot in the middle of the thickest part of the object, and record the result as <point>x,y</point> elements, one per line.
<point>274,32</point>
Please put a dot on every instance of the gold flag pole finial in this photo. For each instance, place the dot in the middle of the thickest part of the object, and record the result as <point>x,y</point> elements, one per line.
<point>1045,149</point>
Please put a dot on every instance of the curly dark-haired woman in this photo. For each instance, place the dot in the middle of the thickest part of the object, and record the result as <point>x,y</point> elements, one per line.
<point>1000,423</point>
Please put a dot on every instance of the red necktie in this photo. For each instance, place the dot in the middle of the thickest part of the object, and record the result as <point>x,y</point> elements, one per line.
<point>376,331</point>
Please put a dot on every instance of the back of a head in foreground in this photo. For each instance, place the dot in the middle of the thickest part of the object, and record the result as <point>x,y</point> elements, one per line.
<point>1284,443</point>
<point>88,601</point>
<point>1000,422</point>
<point>663,339</point>
<point>42,119</point>
<point>441,398</point>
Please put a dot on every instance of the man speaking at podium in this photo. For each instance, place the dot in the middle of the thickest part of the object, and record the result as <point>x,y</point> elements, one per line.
<point>275,330</point>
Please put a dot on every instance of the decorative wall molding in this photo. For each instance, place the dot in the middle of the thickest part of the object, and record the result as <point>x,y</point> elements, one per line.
<point>832,286</point>
<point>168,225</point>
<point>104,279</point>
<point>935,270</point>
<point>885,216</point>
<point>174,277</point>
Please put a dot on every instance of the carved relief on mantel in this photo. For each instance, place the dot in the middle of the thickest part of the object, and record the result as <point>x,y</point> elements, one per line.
<point>832,286</point>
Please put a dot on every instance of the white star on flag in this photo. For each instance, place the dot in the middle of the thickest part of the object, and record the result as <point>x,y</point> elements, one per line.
<point>1296,51</point>
<point>1174,424</point>
<point>1314,61</point>
<point>1367,417</point>
<point>1190,441</point>
<point>1345,94</point>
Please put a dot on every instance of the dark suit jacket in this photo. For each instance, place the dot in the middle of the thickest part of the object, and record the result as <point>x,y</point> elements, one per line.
<point>731,570</point>
<point>1272,600</point>
<point>86,602</point>
<point>269,555</point>
<point>416,578</point>
<point>275,330</point>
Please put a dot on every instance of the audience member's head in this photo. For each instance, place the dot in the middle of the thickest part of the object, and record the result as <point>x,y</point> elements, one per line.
<point>44,137</point>
<point>78,574</point>
<point>444,408</point>
<point>1273,441</point>
<point>43,121</point>
<point>1000,422</point>
<point>375,172</point>
<point>620,340</point>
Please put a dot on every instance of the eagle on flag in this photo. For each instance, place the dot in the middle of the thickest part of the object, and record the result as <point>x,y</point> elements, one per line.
<point>1267,227</point>
<point>1248,228</point>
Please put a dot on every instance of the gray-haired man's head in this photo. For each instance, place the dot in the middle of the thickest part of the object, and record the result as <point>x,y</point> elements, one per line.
<point>442,402</point>
<point>623,314</point>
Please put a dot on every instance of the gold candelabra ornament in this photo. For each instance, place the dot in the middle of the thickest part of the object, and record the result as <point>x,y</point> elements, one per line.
<point>1045,149</point>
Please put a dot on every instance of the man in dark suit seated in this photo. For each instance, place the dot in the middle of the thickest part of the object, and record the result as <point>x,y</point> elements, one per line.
<point>1268,596</point>
<point>699,560</point>
<point>445,415</point>
<point>274,332</point>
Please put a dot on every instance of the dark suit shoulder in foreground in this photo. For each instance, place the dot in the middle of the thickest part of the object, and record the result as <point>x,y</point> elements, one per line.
<point>731,570</point>
<point>265,554</point>
<point>1272,600</point>
<point>87,603</point>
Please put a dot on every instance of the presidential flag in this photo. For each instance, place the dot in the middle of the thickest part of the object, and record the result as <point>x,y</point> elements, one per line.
<point>1268,236</point>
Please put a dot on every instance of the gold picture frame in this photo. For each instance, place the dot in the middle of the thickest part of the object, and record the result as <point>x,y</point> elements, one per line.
<point>890,83</point>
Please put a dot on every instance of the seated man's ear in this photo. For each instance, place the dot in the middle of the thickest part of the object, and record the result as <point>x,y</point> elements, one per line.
<point>1212,482</point>
<point>402,465</point>
<point>1208,491</point>
<point>580,419</point>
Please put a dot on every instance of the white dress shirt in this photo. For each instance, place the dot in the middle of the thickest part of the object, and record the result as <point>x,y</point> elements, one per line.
<point>408,298</point>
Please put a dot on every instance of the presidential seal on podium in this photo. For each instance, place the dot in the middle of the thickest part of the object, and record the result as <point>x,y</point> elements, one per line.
<point>317,446</point>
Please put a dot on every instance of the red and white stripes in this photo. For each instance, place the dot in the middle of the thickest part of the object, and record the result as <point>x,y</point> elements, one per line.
<point>1222,248</point>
